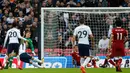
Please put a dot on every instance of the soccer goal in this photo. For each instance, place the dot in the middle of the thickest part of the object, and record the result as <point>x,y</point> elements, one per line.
<point>57,26</point>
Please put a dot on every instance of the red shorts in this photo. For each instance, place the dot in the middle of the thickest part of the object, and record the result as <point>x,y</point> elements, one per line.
<point>117,50</point>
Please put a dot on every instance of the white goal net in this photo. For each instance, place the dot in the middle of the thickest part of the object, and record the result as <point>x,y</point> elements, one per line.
<point>58,25</point>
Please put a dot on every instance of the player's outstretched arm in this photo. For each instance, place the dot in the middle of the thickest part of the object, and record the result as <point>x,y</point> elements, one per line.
<point>31,46</point>
<point>20,37</point>
<point>6,39</point>
<point>92,41</point>
<point>110,41</point>
<point>74,37</point>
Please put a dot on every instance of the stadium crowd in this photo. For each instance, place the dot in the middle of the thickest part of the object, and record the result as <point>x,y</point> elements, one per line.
<point>23,12</point>
<point>85,3</point>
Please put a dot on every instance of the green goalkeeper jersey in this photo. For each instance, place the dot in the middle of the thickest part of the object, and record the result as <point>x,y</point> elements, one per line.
<point>30,44</point>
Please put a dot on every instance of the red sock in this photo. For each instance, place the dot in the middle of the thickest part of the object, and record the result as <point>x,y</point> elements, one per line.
<point>94,63</point>
<point>112,62</point>
<point>105,61</point>
<point>0,64</point>
<point>119,62</point>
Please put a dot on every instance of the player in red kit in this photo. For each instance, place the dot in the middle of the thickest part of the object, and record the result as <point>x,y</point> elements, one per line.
<point>76,57</point>
<point>1,67</point>
<point>118,37</point>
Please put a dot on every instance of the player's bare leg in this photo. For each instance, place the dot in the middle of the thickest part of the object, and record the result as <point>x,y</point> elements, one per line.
<point>37,60</point>
<point>1,67</point>
<point>35,64</point>
<point>105,62</point>
<point>118,68</point>
<point>82,68</point>
<point>94,63</point>
<point>6,61</point>
<point>18,63</point>
<point>81,61</point>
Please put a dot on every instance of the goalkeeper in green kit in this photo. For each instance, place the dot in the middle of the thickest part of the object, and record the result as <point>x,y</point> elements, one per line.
<point>25,57</point>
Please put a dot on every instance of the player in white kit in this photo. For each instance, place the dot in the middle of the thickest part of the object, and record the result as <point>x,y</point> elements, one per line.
<point>83,32</point>
<point>25,57</point>
<point>13,35</point>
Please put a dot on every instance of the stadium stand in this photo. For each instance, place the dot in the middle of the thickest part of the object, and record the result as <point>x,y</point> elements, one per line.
<point>85,3</point>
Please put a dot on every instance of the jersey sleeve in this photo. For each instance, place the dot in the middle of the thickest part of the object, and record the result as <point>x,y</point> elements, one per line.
<point>75,32</point>
<point>6,38</point>
<point>89,31</point>
<point>112,32</point>
<point>31,44</point>
<point>19,36</point>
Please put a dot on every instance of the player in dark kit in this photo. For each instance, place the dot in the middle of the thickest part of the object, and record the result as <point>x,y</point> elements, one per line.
<point>118,38</point>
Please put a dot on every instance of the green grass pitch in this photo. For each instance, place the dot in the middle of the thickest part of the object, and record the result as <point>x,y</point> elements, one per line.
<point>65,70</point>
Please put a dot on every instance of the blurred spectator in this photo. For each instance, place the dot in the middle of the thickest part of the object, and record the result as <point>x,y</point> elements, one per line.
<point>4,31</point>
<point>28,9</point>
<point>78,4</point>
<point>61,40</point>
<point>57,4</point>
<point>66,18</point>
<point>102,3</point>
<point>62,4</point>
<point>71,3</point>
<point>103,44</point>
<point>1,39</point>
<point>49,3</point>
<point>90,3</point>
<point>1,14</point>
<point>10,19</point>
<point>125,3</point>
<point>21,18</point>
<point>43,4</point>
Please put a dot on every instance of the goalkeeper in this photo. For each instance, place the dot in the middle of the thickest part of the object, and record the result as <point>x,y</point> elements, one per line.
<point>25,57</point>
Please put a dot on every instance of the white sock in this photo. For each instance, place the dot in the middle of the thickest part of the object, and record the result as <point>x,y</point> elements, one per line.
<point>36,65</point>
<point>5,58</point>
<point>86,61</point>
<point>81,61</point>
<point>18,60</point>
<point>37,60</point>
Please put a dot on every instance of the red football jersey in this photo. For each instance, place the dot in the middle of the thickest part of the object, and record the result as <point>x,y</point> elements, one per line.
<point>119,35</point>
<point>76,56</point>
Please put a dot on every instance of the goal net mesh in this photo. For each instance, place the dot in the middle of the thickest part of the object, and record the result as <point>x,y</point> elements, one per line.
<point>59,25</point>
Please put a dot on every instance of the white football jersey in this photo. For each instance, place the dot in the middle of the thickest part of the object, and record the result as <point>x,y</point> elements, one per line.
<point>83,32</point>
<point>13,35</point>
<point>22,48</point>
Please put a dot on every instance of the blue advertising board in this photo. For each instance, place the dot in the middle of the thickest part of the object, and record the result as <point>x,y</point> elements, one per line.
<point>63,62</point>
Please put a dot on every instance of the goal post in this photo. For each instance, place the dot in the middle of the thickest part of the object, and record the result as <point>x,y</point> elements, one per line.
<point>57,26</point>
